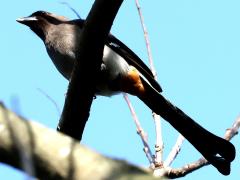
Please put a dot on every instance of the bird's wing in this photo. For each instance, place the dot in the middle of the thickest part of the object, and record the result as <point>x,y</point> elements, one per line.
<point>132,59</point>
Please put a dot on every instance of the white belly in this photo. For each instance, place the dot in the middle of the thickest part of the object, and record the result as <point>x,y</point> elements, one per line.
<point>112,67</point>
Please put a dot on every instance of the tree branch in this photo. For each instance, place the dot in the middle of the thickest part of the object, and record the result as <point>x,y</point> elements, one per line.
<point>55,155</point>
<point>82,84</point>
<point>188,168</point>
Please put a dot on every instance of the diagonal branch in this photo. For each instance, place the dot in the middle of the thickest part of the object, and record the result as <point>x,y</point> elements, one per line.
<point>81,87</point>
<point>56,156</point>
<point>175,151</point>
<point>231,132</point>
<point>186,169</point>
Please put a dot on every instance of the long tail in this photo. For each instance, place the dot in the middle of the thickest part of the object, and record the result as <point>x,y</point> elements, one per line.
<point>219,152</point>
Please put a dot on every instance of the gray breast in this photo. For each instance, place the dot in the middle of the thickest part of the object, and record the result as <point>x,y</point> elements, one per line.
<point>61,47</point>
<point>64,63</point>
<point>62,52</point>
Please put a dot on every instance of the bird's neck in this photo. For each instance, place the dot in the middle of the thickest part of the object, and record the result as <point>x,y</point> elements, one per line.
<point>61,43</point>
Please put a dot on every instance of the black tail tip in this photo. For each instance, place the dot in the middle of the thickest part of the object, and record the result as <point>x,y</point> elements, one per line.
<point>224,167</point>
<point>223,164</point>
<point>222,156</point>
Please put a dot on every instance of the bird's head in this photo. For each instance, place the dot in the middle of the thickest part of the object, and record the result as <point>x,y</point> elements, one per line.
<point>40,21</point>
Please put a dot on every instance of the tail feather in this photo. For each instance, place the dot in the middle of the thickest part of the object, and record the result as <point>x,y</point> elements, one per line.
<point>219,152</point>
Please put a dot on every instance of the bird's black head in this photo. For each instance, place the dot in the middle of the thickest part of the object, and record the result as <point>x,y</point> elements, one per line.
<point>40,21</point>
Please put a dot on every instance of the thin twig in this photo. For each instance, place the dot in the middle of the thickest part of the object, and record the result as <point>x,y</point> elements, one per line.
<point>231,132</point>
<point>186,169</point>
<point>70,7</point>
<point>140,131</point>
<point>147,41</point>
<point>159,141</point>
<point>157,120</point>
<point>175,151</point>
<point>51,100</point>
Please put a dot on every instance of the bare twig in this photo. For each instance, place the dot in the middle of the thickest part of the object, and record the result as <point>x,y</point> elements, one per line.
<point>183,171</point>
<point>188,168</point>
<point>174,152</point>
<point>51,100</point>
<point>159,141</point>
<point>231,132</point>
<point>147,41</point>
<point>70,7</point>
<point>157,120</point>
<point>140,131</point>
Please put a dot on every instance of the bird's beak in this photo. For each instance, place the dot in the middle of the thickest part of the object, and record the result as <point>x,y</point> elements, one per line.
<point>26,20</point>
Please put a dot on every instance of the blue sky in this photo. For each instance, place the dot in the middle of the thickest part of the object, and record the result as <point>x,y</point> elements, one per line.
<point>196,48</point>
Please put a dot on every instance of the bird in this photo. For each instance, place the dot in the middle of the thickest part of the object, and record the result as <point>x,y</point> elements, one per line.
<point>122,70</point>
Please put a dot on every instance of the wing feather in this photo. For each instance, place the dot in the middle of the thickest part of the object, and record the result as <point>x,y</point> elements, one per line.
<point>132,59</point>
